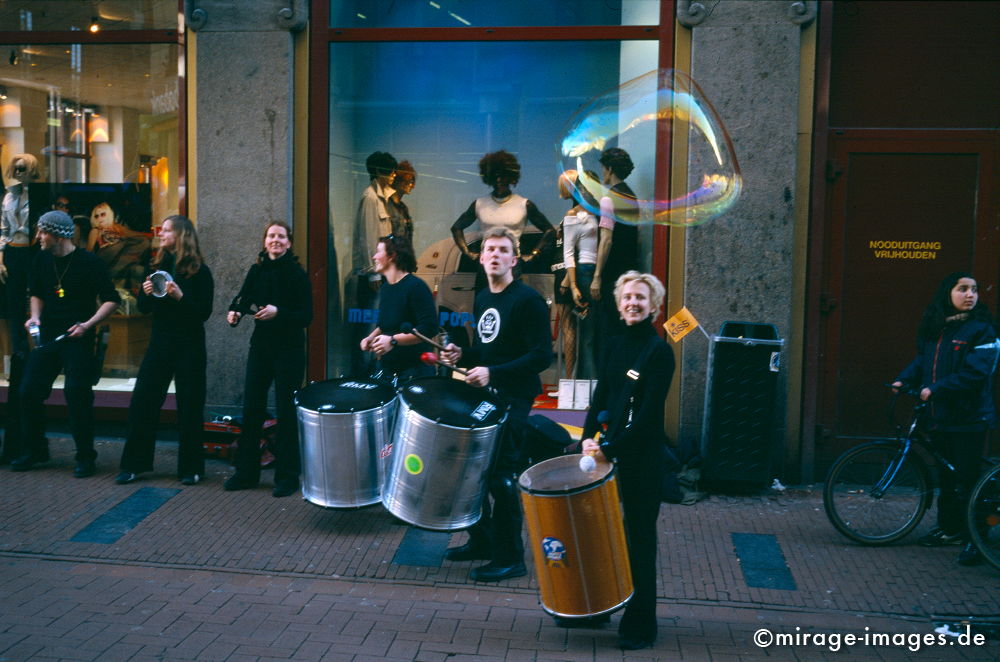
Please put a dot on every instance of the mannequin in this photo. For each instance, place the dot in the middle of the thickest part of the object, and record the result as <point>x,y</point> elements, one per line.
<point>402,222</point>
<point>373,221</point>
<point>502,208</point>
<point>16,255</point>
<point>618,245</point>
<point>580,241</point>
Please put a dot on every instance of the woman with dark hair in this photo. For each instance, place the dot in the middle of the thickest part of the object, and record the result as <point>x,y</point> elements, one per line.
<point>176,352</point>
<point>405,300</point>
<point>633,381</point>
<point>953,370</point>
<point>502,208</point>
<point>399,212</point>
<point>278,294</point>
<point>618,244</point>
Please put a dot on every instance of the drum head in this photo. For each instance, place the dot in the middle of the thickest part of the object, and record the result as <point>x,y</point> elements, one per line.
<point>454,403</point>
<point>344,396</point>
<point>562,475</point>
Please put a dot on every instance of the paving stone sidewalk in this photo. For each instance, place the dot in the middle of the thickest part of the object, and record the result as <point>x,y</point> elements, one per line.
<point>214,575</point>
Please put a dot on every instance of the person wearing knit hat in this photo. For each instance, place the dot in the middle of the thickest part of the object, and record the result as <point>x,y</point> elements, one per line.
<point>64,284</point>
<point>57,223</point>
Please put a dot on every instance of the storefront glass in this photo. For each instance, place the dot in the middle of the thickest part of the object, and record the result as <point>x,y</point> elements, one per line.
<point>489,13</point>
<point>102,123</point>
<point>441,106</point>
<point>45,15</point>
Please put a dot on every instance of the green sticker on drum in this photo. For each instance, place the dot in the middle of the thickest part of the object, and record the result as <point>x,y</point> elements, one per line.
<point>413,464</point>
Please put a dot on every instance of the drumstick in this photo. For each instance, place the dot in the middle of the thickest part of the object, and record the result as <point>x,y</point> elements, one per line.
<point>406,327</point>
<point>587,463</point>
<point>430,358</point>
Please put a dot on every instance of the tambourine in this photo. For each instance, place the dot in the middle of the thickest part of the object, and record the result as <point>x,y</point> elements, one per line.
<point>160,280</point>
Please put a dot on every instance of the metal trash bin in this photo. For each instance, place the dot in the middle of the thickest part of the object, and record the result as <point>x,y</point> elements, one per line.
<point>738,431</point>
<point>445,438</point>
<point>344,426</point>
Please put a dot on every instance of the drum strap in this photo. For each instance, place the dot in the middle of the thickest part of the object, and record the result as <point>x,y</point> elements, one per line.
<point>625,403</point>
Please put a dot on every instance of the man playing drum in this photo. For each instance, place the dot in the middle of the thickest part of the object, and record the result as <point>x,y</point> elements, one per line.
<point>513,344</point>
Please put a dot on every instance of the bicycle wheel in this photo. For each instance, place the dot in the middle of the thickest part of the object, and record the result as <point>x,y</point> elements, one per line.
<point>873,498</point>
<point>984,516</point>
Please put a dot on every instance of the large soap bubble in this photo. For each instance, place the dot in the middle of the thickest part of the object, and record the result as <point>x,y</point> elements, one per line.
<point>664,108</point>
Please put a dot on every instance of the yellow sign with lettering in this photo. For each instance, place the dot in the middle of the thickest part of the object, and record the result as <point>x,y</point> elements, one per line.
<point>681,324</point>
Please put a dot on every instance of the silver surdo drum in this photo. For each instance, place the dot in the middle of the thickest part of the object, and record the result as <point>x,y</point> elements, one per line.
<point>445,437</point>
<point>345,426</point>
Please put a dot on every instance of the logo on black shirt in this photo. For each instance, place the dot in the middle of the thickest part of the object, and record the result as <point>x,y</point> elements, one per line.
<point>489,325</point>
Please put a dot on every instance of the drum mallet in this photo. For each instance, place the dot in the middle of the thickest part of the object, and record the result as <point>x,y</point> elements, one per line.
<point>406,327</point>
<point>430,358</point>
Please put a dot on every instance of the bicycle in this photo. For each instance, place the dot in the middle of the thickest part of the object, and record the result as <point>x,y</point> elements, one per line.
<point>984,516</point>
<point>877,493</point>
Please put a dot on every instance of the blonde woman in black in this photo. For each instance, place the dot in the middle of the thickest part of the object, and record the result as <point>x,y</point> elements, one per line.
<point>176,352</point>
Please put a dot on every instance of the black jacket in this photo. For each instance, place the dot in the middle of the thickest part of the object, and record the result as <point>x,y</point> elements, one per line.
<point>637,446</point>
<point>284,284</point>
<point>958,368</point>
<point>187,315</point>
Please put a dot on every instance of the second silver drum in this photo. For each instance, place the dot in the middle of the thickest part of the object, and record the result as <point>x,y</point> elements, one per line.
<point>446,434</point>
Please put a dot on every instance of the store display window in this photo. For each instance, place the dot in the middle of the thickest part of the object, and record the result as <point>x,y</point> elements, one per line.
<point>99,125</point>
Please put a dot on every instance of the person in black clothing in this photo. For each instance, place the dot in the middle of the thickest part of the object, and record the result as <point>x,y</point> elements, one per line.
<point>65,283</point>
<point>176,352</point>
<point>618,243</point>
<point>278,294</point>
<point>513,344</point>
<point>953,370</point>
<point>405,299</point>
<point>635,438</point>
<point>17,252</point>
<point>399,212</point>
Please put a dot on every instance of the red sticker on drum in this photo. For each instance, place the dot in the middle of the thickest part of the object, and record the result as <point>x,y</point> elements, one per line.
<point>554,552</point>
<point>413,464</point>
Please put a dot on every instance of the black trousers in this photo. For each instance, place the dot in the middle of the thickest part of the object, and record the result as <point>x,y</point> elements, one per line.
<point>499,529</point>
<point>640,493</point>
<point>17,260</point>
<point>74,356</point>
<point>964,451</point>
<point>284,367</point>
<point>178,357</point>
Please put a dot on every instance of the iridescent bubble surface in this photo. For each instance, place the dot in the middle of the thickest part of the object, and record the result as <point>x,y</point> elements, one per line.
<point>660,117</point>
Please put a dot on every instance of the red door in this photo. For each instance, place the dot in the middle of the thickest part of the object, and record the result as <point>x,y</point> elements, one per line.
<point>905,209</point>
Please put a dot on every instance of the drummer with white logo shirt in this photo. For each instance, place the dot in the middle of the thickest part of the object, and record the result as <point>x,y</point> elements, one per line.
<point>511,347</point>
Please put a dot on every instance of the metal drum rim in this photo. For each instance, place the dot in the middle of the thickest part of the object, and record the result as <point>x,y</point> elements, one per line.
<point>342,413</point>
<point>566,492</point>
<point>409,408</point>
<point>609,610</point>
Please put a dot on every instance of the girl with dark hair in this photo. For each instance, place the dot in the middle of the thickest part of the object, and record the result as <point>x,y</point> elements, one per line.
<point>956,357</point>
<point>278,294</point>
<point>176,352</point>
<point>405,300</point>
<point>502,208</point>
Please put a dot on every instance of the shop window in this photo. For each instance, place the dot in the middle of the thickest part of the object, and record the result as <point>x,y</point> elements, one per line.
<point>101,120</point>
<point>442,106</point>
<point>50,15</point>
<point>489,13</point>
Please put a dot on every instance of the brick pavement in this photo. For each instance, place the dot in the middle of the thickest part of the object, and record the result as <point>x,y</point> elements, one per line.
<point>213,575</point>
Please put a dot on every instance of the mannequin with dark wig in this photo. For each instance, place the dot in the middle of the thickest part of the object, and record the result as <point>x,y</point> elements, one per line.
<point>956,358</point>
<point>502,207</point>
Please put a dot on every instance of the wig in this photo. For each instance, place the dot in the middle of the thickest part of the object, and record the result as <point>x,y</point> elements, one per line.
<point>617,161</point>
<point>499,163</point>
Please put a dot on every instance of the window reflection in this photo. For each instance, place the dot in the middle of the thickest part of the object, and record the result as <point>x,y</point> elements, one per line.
<point>102,123</point>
